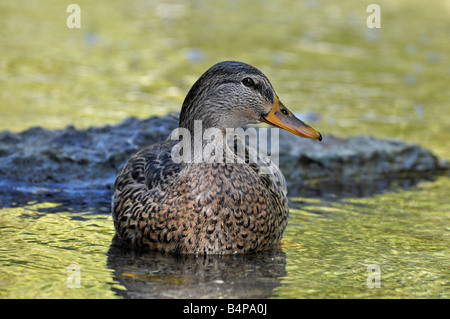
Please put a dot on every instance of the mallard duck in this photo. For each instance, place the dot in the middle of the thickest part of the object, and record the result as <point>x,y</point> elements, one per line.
<point>209,206</point>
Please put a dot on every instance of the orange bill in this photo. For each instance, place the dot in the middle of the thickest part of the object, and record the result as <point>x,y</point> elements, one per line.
<point>281,117</point>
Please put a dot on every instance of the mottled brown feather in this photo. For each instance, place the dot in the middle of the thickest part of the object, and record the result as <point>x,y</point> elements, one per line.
<point>205,208</point>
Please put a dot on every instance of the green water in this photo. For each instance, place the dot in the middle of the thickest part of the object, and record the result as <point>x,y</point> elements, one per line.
<point>140,58</point>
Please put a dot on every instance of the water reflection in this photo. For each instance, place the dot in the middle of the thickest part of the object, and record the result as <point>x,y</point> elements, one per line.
<point>363,186</point>
<point>66,200</point>
<point>157,275</point>
<point>99,201</point>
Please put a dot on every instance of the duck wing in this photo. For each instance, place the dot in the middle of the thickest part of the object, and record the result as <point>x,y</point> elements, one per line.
<point>152,166</point>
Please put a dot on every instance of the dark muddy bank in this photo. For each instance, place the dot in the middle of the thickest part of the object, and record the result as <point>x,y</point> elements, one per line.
<point>39,160</point>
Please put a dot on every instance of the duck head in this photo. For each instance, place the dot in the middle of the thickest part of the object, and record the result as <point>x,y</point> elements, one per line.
<point>232,94</point>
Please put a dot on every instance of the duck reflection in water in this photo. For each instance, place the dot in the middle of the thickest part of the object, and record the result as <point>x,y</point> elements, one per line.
<point>155,274</point>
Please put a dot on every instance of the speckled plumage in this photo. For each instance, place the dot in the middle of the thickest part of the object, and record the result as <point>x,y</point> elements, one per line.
<point>205,208</point>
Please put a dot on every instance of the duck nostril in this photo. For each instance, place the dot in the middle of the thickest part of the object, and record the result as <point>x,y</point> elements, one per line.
<point>284,111</point>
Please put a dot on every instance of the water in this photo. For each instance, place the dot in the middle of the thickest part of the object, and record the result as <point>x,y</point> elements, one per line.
<point>327,249</point>
<point>140,59</point>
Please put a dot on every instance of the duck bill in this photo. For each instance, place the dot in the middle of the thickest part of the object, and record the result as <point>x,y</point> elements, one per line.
<point>281,117</point>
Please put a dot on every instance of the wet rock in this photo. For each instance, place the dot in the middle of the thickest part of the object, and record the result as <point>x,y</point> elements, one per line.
<point>359,165</point>
<point>91,158</point>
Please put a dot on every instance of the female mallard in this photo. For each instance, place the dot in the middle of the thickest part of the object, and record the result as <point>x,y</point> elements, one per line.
<point>222,203</point>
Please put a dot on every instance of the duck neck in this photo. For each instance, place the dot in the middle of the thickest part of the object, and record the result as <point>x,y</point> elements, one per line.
<point>201,145</point>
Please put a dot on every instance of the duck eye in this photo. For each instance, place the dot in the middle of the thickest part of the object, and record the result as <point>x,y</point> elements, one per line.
<point>285,112</point>
<point>248,82</point>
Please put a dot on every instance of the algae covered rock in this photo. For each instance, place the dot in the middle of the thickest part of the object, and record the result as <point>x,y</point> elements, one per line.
<point>91,158</point>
